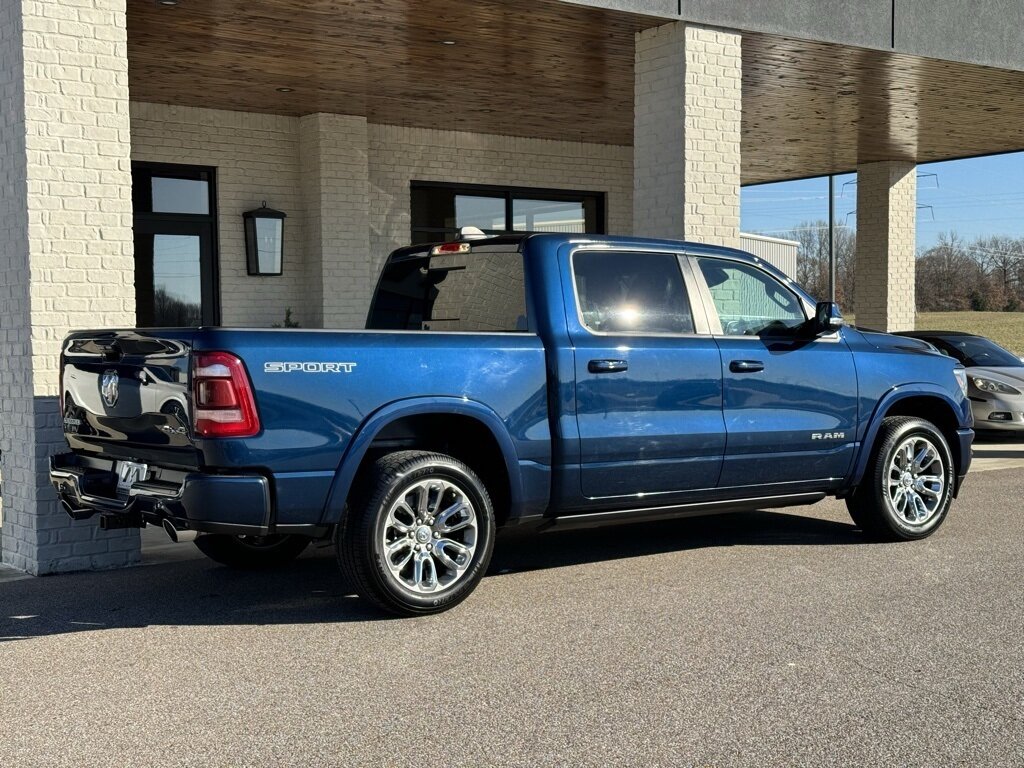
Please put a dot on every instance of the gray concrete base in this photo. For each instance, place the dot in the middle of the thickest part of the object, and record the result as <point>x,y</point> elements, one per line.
<point>997,453</point>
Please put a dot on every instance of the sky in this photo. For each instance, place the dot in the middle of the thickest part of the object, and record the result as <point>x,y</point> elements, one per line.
<point>975,197</point>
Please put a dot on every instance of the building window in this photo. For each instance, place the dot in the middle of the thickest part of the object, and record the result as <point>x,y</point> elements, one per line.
<point>175,247</point>
<point>440,210</point>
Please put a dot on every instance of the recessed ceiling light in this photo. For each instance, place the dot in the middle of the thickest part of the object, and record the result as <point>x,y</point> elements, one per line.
<point>167,2</point>
<point>447,42</point>
<point>284,90</point>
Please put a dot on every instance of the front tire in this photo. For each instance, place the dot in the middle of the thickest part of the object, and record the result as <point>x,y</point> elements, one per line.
<point>907,488</point>
<point>419,538</point>
<point>252,552</point>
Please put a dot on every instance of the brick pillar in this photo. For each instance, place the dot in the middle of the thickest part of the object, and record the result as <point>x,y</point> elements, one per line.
<point>886,245</point>
<point>65,251</point>
<point>686,138</point>
<point>335,192</point>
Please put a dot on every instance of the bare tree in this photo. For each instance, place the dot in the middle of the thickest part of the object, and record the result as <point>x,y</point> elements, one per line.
<point>812,261</point>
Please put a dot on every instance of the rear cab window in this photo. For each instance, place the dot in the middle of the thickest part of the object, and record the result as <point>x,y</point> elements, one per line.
<point>482,290</point>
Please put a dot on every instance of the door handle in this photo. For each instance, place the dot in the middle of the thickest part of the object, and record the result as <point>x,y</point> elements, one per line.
<point>607,366</point>
<point>746,366</point>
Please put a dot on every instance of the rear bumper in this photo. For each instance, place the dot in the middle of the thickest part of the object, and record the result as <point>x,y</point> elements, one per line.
<point>965,439</point>
<point>208,503</point>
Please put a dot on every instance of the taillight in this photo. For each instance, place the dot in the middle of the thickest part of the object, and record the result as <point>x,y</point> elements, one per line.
<point>222,400</point>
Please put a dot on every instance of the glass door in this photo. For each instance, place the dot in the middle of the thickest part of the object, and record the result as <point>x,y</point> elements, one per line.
<point>169,279</point>
<point>175,248</point>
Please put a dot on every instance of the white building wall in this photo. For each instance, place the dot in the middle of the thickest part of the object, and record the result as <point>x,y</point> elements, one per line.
<point>686,128</point>
<point>257,159</point>
<point>334,177</point>
<point>267,157</point>
<point>886,242</point>
<point>65,252</point>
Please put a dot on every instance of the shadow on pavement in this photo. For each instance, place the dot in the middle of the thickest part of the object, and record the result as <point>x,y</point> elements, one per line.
<point>310,590</point>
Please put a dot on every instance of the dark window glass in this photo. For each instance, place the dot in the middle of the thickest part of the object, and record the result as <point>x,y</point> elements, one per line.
<point>175,252</point>
<point>487,213</point>
<point>477,291</point>
<point>975,351</point>
<point>750,302</point>
<point>438,211</point>
<point>631,292</point>
<point>549,216</point>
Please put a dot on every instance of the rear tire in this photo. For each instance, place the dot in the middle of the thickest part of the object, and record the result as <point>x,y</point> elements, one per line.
<point>418,538</point>
<point>250,552</point>
<point>907,487</point>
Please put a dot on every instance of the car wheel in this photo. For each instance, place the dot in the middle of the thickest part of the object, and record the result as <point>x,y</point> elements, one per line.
<point>419,537</point>
<point>908,484</point>
<point>252,551</point>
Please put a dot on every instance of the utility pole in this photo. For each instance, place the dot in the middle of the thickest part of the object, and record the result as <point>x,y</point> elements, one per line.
<point>831,238</point>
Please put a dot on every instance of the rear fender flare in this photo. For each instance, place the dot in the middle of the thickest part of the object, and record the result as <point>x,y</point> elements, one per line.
<point>890,398</point>
<point>377,421</point>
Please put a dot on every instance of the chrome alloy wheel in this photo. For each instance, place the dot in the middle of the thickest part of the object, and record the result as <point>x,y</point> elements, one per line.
<point>429,536</point>
<point>916,481</point>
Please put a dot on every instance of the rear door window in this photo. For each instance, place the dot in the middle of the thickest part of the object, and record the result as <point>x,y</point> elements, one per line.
<point>625,292</point>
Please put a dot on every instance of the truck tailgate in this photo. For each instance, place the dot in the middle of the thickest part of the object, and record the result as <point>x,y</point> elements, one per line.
<point>125,394</point>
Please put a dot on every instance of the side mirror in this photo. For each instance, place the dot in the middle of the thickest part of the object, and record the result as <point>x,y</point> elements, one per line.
<point>827,318</point>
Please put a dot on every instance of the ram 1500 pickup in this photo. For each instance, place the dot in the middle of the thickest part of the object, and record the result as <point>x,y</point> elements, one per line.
<point>532,382</point>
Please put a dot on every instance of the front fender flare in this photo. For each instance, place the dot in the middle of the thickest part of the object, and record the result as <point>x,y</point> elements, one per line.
<point>890,398</point>
<point>379,419</point>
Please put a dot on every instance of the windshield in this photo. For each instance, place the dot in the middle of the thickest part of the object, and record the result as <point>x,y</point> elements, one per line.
<point>976,351</point>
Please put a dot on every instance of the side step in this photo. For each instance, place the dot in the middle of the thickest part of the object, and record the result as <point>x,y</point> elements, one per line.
<point>696,509</point>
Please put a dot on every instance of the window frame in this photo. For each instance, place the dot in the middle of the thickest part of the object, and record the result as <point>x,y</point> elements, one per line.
<point>711,308</point>
<point>509,194</point>
<point>147,222</point>
<point>698,310</point>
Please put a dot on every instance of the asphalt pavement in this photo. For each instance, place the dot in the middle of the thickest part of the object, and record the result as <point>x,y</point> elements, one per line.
<point>770,638</point>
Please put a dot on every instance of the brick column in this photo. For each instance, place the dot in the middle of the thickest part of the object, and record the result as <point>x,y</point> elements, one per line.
<point>65,251</point>
<point>886,245</point>
<point>335,192</point>
<point>686,138</point>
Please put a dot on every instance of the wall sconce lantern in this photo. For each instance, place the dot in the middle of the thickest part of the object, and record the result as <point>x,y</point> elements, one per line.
<point>264,240</point>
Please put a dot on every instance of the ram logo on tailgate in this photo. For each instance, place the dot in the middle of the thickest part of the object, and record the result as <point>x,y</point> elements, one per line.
<point>108,388</point>
<point>308,367</point>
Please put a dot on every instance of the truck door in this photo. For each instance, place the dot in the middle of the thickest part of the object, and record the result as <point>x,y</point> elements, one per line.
<point>648,375</point>
<point>790,401</point>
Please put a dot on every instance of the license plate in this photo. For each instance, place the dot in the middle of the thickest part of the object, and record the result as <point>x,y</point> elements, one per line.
<point>129,473</point>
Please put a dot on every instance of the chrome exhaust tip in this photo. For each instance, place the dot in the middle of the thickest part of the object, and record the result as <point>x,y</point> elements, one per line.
<point>179,535</point>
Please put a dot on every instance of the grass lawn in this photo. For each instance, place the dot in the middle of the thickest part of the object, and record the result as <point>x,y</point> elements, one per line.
<point>1004,328</point>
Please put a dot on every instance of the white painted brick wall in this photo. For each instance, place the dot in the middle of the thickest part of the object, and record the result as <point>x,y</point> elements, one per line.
<point>312,168</point>
<point>66,251</point>
<point>334,178</point>
<point>687,102</point>
<point>257,159</point>
<point>886,245</point>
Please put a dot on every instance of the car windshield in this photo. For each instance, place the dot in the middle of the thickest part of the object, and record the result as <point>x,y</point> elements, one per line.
<point>976,351</point>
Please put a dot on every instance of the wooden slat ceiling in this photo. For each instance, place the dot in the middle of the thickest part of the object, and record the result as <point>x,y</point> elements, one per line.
<point>555,70</point>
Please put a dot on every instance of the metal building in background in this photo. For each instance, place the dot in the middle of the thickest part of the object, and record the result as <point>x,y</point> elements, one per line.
<point>774,250</point>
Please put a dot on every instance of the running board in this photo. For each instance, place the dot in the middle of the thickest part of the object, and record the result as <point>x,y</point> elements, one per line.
<point>696,509</point>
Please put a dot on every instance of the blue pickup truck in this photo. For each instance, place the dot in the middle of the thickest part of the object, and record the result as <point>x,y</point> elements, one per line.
<point>533,382</point>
